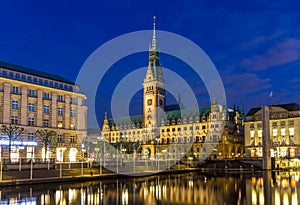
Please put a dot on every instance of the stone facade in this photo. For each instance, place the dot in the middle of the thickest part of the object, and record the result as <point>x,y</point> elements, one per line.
<point>36,100</point>
<point>212,131</point>
<point>284,131</point>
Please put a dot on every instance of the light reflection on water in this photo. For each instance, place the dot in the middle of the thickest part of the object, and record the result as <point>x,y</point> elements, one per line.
<point>193,188</point>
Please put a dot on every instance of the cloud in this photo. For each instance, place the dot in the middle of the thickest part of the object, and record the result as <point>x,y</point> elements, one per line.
<point>281,53</point>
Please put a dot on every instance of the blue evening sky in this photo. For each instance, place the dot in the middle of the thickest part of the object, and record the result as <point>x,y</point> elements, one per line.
<point>255,45</point>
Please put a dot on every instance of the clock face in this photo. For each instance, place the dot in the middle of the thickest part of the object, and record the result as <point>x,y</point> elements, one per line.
<point>149,102</point>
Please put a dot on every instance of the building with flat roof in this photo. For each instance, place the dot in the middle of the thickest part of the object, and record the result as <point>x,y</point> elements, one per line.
<point>284,132</point>
<point>36,100</point>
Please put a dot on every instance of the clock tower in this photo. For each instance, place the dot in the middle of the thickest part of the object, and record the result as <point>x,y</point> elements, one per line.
<point>154,87</point>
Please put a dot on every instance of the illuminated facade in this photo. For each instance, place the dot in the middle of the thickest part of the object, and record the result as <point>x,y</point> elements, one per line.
<point>36,100</point>
<point>197,130</point>
<point>284,132</point>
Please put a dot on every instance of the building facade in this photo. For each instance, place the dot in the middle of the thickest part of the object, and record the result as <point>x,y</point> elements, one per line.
<point>36,100</point>
<point>284,132</point>
<point>206,131</point>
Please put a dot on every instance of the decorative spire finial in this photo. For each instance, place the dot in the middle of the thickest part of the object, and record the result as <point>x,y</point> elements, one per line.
<point>154,34</point>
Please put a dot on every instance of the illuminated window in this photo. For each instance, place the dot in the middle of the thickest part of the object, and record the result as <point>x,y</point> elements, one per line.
<point>59,124</point>
<point>274,132</point>
<point>259,132</point>
<point>292,131</point>
<point>282,131</point>
<point>252,132</point>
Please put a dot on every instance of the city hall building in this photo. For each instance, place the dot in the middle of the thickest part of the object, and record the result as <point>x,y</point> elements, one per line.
<point>36,100</point>
<point>197,131</point>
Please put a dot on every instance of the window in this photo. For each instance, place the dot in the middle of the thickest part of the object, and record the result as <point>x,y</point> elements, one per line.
<point>46,82</point>
<point>60,139</point>
<point>216,125</point>
<point>18,75</point>
<point>203,127</point>
<point>30,136</point>
<point>59,124</point>
<point>274,132</point>
<point>31,121</point>
<point>212,126</point>
<point>258,125</point>
<point>47,96</point>
<point>31,93</point>
<point>197,127</point>
<point>60,98</point>
<point>291,131</point>
<point>162,130</point>
<point>31,107</point>
<point>14,104</point>
<point>46,123</point>
<point>72,139</point>
<point>4,73</point>
<point>14,120</point>
<point>35,80</point>
<point>291,122</point>
<point>252,126</point>
<point>178,129</point>
<point>274,124</point>
<point>173,129</point>
<point>11,74</point>
<point>15,90</point>
<point>59,111</point>
<point>282,123</point>
<point>259,132</point>
<point>73,101</point>
<point>282,131</point>
<point>23,77</point>
<point>185,128</point>
<point>29,78</point>
<point>46,109</point>
<point>73,113</point>
<point>191,127</point>
<point>41,81</point>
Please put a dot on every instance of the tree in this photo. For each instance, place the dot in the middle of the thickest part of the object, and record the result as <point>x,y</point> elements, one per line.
<point>11,133</point>
<point>47,137</point>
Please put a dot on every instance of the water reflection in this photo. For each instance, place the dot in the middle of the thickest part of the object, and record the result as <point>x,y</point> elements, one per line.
<point>193,188</point>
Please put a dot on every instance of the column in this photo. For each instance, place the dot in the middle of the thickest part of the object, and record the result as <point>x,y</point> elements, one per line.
<point>6,104</point>
<point>54,109</point>
<point>24,105</point>
<point>39,113</point>
<point>67,112</point>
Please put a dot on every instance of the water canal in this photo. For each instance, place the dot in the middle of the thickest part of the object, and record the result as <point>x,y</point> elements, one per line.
<point>192,188</point>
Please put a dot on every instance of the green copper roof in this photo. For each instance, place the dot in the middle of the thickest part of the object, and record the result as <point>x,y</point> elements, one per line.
<point>34,72</point>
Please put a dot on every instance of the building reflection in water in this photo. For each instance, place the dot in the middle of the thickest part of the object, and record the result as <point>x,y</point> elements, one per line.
<point>265,188</point>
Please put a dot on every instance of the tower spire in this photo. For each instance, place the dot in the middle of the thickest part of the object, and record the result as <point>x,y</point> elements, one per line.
<point>154,34</point>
